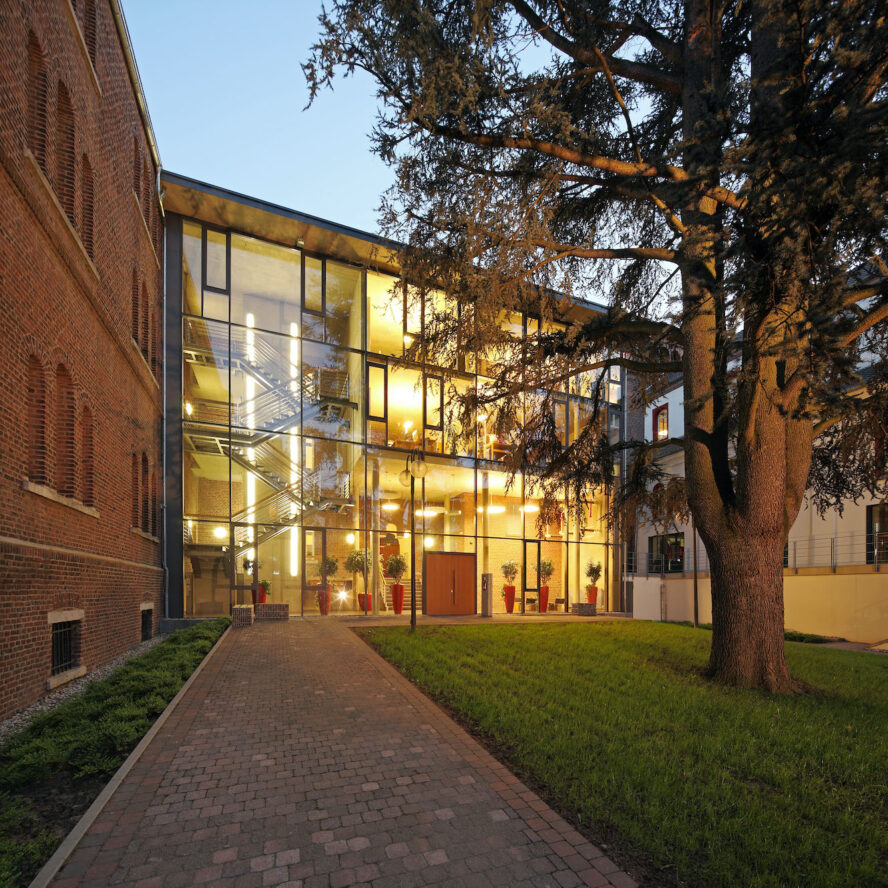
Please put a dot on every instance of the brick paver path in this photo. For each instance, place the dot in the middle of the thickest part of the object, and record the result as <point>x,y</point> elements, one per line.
<point>300,758</point>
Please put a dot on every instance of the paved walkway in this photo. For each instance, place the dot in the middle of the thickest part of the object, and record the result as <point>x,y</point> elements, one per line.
<point>298,757</point>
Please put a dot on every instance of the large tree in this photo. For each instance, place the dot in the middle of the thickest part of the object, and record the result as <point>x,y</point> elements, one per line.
<point>715,171</point>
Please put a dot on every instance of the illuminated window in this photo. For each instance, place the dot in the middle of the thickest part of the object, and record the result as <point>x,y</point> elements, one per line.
<point>661,423</point>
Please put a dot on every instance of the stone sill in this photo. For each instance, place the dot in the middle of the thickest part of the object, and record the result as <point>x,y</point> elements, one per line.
<point>145,363</point>
<point>61,499</point>
<point>145,536</point>
<point>50,191</point>
<point>81,43</point>
<point>145,229</point>
<point>64,677</point>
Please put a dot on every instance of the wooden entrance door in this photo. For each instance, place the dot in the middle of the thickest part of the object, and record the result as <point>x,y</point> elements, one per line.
<point>449,583</point>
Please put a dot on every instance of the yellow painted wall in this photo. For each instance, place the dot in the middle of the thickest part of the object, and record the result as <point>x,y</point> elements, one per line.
<point>849,605</point>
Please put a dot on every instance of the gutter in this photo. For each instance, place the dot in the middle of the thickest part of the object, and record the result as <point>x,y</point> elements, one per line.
<point>135,79</point>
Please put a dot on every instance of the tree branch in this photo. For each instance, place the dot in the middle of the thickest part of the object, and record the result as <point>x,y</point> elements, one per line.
<point>874,317</point>
<point>624,68</point>
<point>595,161</point>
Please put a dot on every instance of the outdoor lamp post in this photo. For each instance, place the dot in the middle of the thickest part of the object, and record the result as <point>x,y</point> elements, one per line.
<point>416,468</point>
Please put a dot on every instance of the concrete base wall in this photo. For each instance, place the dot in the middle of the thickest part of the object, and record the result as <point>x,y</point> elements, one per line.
<point>849,605</point>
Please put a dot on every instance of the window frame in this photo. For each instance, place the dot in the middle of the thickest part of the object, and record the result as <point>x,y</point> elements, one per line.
<point>655,421</point>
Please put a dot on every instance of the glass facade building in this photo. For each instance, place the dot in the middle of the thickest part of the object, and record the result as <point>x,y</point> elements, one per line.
<point>295,421</point>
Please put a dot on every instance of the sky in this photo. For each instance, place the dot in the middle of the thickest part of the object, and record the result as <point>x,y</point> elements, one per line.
<point>226,95</point>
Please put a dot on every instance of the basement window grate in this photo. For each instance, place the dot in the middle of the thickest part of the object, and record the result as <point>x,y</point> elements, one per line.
<point>64,646</point>
<point>147,621</point>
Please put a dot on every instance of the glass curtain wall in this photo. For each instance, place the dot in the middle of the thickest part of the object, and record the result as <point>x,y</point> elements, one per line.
<point>296,424</point>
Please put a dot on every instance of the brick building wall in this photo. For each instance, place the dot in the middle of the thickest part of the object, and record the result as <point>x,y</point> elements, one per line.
<point>80,322</point>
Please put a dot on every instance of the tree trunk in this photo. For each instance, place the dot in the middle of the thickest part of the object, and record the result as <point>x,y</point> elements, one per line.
<point>747,614</point>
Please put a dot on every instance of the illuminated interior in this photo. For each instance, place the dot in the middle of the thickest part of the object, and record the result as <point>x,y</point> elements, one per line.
<point>297,423</point>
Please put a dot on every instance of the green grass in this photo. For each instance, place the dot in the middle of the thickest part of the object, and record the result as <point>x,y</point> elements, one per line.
<point>702,784</point>
<point>788,634</point>
<point>49,770</point>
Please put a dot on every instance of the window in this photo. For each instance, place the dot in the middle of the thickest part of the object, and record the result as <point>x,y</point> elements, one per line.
<point>134,492</point>
<point>65,170</point>
<point>36,101</point>
<point>666,553</point>
<point>331,302</point>
<point>145,322</point>
<point>147,623</point>
<point>433,413</point>
<point>153,529</point>
<point>153,348</point>
<point>36,421</point>
<point>135,326</point>
<point>65,646</point>
<point>86,456</point>
<point>86,206</point>
<point>143,485</point>
<point>877,534</point>
<point>377,403</point>
<point>137,168</point>
<point>65,431</point>
<point>661,423</point>
<point>90,29</point>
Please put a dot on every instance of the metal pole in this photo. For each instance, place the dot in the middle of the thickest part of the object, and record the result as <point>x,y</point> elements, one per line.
<point>412,554</point>
<point>694,544</point>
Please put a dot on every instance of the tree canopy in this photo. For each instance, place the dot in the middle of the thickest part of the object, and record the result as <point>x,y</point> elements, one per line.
<point>715,173</point>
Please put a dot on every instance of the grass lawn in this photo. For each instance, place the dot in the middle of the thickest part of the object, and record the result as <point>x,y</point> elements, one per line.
<point>699,784</point>
<point>51,772</point>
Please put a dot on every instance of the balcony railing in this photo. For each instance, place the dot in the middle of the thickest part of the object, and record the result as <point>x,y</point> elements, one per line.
<point>831,552</point>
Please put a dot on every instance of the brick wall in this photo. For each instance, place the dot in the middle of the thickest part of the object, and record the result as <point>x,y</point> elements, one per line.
<point>73,242</point>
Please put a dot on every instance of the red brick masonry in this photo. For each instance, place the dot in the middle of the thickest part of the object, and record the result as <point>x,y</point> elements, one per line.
<point>299,757</point>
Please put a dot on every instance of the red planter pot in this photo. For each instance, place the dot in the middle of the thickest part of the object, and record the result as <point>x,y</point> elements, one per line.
<point>364,601</point>
<point>591,594</point>
<point>324,600</point>
<point>509,595</point>
<point>397,597</point>
<point>544,599</point>
<point>263,595</point>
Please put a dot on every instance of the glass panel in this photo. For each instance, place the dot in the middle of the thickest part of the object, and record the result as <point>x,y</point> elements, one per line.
<point>385,330</point>
<point>454,443</point>
<point>345,585</point>
<point>313,576</point>
<point>332,484</point>
<point>552,557</point>
<point>498,509</point>
<point>434,396</point>
<point>449,499</point>
<point>265,478</point>
<point>205,474</point>
<point>531,576</point>
<point>217,259</point>
<point>264,284</point>
<point>499,557</point>
<point>312,317</point>
<point>560,411</point>
<point>265,380</point>
<point>376,376</point>
<point>206,568</point>
<point>205,371</point>
<point>412,314</point>
<point>405,408</point>
<point>191,267</point>
<point>343,305</point>
<point>331,392</point>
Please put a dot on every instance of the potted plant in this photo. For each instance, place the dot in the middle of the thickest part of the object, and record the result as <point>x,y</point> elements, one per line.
<point>544,570</point>
<point>509,570</point>
<point>358,562</point>
<point>331,566</point>
<point>396,567</point>
<point>593,572</point>
<point>264,589</point>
